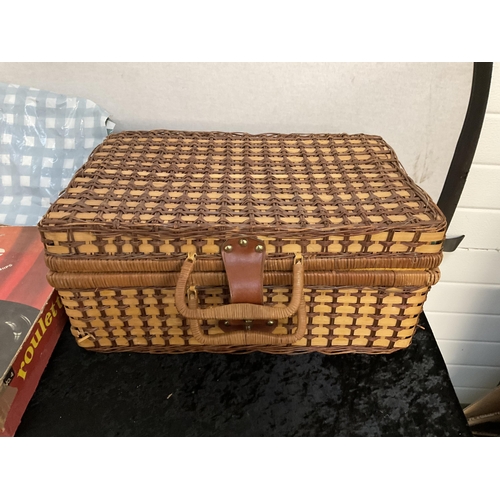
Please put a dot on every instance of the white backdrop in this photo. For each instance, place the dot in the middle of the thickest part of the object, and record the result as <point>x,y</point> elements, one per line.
<point>418,108</point>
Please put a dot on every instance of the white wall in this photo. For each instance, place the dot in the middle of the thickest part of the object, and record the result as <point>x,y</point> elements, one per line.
<point>417,107</point>
<point>464,307</point>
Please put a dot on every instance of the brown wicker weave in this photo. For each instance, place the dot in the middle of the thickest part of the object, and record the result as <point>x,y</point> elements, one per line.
<point>134,243</point>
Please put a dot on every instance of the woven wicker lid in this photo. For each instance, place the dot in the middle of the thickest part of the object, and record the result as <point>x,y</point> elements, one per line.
<point>184,186</point>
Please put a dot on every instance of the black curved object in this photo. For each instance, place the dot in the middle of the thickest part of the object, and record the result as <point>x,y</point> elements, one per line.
<point>15,323</point>
<point>467,141</point>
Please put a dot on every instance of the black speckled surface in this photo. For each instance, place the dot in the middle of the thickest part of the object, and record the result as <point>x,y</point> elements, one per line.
<point>407,393</point>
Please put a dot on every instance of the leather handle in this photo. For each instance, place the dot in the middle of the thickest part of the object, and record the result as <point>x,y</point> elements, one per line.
<point>244,264</point>
<point>238,311</point>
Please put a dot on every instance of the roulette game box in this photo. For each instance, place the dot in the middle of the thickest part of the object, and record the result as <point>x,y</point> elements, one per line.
<point>31,320</point>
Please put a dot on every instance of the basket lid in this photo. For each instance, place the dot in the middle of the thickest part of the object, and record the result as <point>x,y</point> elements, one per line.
<point>348,193</point>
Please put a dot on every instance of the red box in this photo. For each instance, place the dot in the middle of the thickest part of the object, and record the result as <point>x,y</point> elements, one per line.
<point>31,321</point>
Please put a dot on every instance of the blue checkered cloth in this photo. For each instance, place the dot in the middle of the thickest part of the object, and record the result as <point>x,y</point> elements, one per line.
<point>44,138</point>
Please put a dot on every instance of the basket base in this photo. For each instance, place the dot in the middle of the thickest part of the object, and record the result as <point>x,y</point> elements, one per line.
<point>288,350</point>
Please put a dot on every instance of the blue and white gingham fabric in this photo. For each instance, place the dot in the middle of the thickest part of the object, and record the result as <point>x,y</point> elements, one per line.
<point>44,138</point>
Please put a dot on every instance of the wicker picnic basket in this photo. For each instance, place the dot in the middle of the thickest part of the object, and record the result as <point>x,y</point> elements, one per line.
<point>173,242</point>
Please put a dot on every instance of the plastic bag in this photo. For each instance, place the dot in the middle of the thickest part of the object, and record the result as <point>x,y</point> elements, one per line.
<point>44,138</point>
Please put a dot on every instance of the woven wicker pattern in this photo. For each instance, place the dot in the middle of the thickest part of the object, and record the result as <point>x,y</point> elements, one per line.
<point>134,244</point>
<point>386,278</point>
<point>324,264</point>
<point>339,319</point>
<point>157,194</point>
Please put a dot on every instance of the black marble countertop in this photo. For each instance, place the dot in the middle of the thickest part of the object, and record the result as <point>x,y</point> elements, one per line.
<point>407,393</point>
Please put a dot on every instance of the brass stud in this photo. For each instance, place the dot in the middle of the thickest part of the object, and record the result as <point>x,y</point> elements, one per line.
<point>243,242</point>
<point>259,248</point>
<point>270,322</point>
<point>228,248</point>
<point>226,323</point>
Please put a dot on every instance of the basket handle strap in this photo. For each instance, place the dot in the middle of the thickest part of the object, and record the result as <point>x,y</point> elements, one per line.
<point>243,259</point>
<point>243,311</point>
